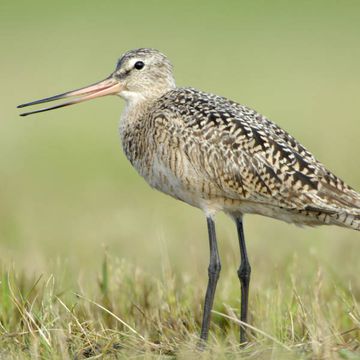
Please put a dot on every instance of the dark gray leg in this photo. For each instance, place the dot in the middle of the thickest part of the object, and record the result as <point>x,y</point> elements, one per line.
<point>244,277</point>
<point>213,271</point>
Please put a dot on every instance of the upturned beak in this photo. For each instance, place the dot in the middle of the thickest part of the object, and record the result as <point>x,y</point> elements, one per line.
<point>109,86</point>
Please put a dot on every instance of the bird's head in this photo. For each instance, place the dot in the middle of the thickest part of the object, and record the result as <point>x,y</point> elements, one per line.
<point>143,73</point>
<point>140,74</point>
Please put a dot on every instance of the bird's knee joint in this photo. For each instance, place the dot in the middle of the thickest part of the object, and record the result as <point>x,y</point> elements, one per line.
<point>214,269</point>
<point>244,271</point>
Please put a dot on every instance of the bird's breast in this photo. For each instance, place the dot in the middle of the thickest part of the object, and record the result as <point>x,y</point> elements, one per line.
<point>161,159</point>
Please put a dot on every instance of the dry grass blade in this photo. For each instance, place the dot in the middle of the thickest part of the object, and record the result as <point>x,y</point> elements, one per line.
<point>356,321</point>
<point>236,320</point>
<point>75,318</point>
<point>117,318</point>
<point>27,316</point>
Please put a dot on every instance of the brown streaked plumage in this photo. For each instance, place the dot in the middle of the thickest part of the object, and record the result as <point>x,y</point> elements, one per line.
<point>217,155</point>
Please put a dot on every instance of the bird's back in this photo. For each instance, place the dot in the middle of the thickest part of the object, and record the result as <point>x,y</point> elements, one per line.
<point>210,151</point>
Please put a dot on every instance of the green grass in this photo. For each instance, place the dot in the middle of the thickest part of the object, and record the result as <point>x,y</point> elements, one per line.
<point>130,313</point>
<point>88,251</point>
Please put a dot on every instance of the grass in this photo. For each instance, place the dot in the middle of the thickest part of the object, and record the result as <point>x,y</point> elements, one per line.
<point>131,314</point>
<point>92,262</point>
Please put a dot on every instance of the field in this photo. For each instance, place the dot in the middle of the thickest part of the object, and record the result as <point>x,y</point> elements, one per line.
<point>95,264</point>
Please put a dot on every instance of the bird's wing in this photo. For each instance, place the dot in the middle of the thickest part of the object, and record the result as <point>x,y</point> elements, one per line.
<point>251,158</point>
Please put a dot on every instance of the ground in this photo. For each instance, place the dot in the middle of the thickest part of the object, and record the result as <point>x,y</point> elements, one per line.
<point>295,314</point>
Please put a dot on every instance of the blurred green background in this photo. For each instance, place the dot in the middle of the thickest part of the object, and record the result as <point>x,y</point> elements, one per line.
<point>68,194</point>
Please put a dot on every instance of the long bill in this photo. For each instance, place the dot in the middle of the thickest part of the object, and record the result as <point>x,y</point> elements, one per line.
<point>109,86</point>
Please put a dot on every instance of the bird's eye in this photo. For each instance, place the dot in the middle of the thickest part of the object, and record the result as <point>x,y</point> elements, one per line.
<point>139,65</point>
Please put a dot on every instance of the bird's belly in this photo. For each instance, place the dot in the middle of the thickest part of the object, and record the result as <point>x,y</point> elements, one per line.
<point>199,192</point>
<point>180,182</point>
<point>183,186</point>
<point>184,183</point>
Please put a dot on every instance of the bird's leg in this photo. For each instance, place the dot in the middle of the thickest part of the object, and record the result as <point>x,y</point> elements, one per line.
<point>244,277</point>
<point>213,271</point>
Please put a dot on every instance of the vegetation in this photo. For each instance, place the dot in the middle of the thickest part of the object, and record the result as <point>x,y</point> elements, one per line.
<point>131,314</point>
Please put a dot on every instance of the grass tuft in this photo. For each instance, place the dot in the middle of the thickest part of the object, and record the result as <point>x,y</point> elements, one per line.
<point>133,314</point>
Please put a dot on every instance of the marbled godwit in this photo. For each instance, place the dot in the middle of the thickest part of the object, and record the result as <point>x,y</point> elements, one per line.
<point>217,155</point>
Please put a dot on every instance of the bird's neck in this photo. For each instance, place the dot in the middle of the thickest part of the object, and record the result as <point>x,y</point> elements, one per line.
<point>137,103</point>
<point>133,124</point>
<point>136,107</point>
<point>134,98</point>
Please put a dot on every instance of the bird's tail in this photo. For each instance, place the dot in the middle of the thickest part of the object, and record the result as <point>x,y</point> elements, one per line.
<point>346,219</point>
<point>348,209</point>
<point>342,203</point>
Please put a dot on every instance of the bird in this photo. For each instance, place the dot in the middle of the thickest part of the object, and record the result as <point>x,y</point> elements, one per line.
<point>216,155</point>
